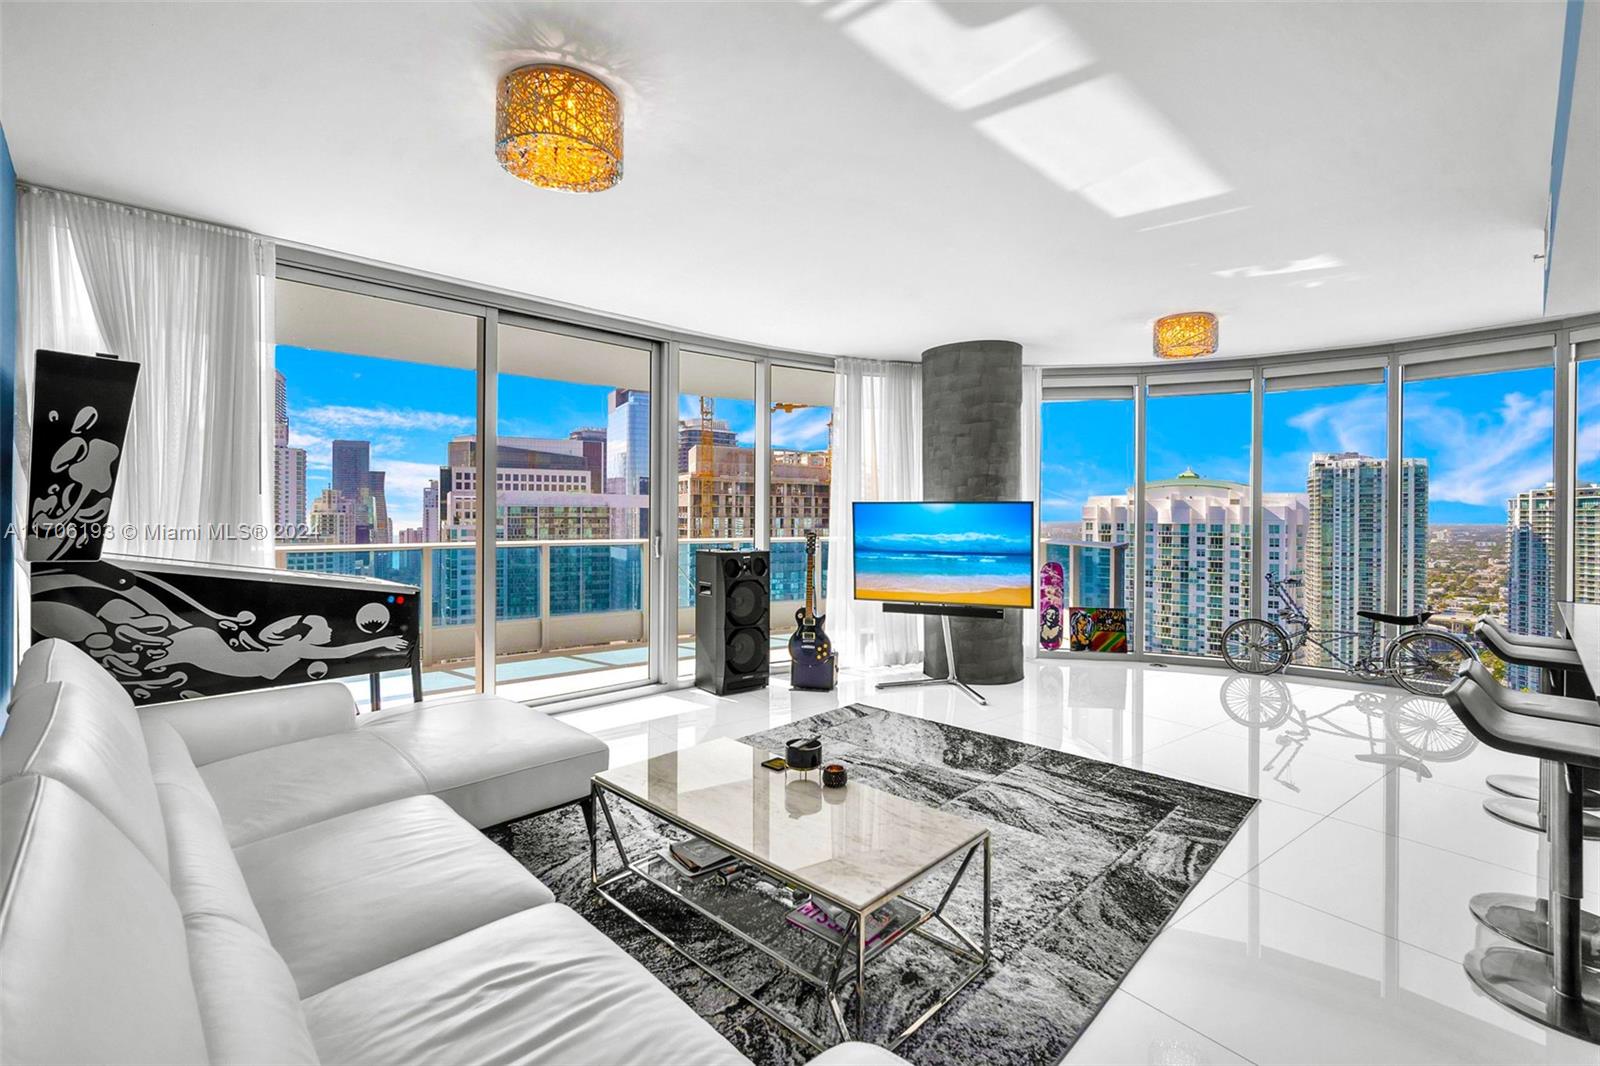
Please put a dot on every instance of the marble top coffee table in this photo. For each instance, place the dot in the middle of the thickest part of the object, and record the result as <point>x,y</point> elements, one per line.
<point>856,848</point>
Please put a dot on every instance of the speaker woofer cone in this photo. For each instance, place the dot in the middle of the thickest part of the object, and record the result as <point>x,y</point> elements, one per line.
<point>746,602</point>
<point>747,651</point>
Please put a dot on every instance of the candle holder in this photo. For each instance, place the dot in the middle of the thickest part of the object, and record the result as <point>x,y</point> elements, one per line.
<point>804,753</point>
<point>834,775</point>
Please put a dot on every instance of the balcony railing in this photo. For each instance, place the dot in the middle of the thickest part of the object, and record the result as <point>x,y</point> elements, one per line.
<point>552,597</point>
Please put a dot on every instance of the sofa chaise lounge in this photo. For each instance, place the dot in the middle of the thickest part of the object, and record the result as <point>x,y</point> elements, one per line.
<point>266,878</point>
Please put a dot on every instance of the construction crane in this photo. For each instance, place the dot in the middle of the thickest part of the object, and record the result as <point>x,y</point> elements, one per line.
<point>705,476</point>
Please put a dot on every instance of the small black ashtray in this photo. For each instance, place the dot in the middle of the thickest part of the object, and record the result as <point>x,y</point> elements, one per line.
<point>804,753</point>
<point>833,775</point>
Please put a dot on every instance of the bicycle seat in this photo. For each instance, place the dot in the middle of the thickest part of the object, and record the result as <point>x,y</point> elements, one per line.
<point>1418,619</point>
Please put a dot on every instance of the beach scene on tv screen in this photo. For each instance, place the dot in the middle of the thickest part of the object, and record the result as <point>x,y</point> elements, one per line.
<point>965,553</point>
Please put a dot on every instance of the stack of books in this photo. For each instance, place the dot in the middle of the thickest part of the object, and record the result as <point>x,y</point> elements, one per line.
<point>696,857</point>
<point>829,922</point>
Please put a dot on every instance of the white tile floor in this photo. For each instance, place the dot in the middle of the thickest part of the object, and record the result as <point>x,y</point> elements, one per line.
<point>1330,931</point>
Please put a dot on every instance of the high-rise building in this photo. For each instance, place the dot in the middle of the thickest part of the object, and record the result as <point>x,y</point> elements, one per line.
<point>288,466</point>
<point>1344,571</point>
<point>352,461</point>
<point>1530,579</point>
<point>288,488</point>
<point>1586,544</point>
<point>545,489</point>
<point>1197,549</point>
<point>331,520</point>
<point>689,436</point>
<point>628,456</point>
<point>280,409</point>
<point>430,511</point>
<point>798,498</point>
<point>593,439</point>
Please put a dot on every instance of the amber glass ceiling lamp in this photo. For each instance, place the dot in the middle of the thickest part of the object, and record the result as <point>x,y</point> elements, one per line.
<point>1186,335</point>
<point>559,128</point>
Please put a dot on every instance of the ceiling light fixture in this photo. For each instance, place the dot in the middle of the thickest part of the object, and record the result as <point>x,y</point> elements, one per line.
<point>558,128</point>
<point>1186,335</point>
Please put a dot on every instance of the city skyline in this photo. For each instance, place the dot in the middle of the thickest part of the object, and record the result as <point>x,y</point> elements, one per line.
<point>1486,438</point>
<point>410,411</point>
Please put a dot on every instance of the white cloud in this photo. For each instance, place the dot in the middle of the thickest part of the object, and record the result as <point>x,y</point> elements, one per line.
<point>806,428</point>
<point>1354,425</point>
<point>338,418</point>
<point>1482,458</point>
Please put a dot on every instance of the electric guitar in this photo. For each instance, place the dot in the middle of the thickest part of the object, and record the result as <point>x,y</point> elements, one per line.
<point>811,658</point>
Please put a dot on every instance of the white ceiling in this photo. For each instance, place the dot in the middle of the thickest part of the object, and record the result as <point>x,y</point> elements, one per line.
<point>855,178</point>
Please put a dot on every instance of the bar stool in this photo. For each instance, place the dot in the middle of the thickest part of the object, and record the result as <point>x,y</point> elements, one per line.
<point>1547,982</point>
<point>1564,675</point>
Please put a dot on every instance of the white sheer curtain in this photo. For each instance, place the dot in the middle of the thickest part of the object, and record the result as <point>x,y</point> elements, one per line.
<point>877,455</point>
<point>1032,396</point>
<point>191,303</point>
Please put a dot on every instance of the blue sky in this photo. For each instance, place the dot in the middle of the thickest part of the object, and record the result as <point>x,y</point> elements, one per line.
<point>409,411</point>
<point>1485,437</point>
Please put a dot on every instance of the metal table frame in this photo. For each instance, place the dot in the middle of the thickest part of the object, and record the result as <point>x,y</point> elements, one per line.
<point>839,977</point>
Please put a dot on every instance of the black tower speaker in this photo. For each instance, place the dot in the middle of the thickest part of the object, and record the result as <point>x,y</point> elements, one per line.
<point>731,620</point>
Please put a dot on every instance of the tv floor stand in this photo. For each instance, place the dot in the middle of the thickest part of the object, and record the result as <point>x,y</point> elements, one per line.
<point>950,677</point>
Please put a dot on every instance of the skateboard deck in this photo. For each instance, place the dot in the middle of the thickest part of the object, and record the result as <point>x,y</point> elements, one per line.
<point>1052,580</point>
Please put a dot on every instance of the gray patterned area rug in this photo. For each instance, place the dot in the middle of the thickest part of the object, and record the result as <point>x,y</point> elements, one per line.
<point>1090,860</point>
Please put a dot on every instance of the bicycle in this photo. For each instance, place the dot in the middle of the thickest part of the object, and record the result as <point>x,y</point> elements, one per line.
<point>1423,659</point>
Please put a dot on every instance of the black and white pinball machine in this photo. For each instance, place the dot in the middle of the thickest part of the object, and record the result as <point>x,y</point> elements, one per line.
<point>172,630</point>
<point>167,629</point>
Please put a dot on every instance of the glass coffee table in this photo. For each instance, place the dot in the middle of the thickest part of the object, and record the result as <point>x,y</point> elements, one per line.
<point>858,852</point>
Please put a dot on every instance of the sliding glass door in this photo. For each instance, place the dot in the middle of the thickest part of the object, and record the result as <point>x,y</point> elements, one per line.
<point>572,478</point>
<point>370,395</point>
<point>715,472</point>
<point>801,413</point>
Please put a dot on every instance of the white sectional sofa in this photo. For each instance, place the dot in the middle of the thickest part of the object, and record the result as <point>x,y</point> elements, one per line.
<point>265,878</point>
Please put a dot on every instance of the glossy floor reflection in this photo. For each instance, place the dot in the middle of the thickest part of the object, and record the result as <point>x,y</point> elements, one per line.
<point>1330,931</point>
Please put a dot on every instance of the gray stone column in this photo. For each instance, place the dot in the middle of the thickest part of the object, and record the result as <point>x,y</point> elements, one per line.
<point>972,451</point>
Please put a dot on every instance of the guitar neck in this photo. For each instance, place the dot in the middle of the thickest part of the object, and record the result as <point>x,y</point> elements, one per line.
<point>811,577</point>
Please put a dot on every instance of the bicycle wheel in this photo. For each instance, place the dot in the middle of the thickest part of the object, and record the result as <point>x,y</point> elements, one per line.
<point>1255,646</point>
<point>1425,661</point>
<point>1429,730</point>
<point>1259,703</point>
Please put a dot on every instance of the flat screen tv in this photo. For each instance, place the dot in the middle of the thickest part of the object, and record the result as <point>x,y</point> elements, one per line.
<point>970,554</point>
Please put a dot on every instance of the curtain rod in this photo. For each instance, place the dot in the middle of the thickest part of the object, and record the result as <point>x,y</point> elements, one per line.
<point>35,188</point>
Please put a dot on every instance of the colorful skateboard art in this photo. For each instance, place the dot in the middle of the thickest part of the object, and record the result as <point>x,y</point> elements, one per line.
<point>1099,629</point>
<point>1051,581</point>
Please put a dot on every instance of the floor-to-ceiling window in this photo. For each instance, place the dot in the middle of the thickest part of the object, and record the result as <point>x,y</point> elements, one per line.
<point>1586,496</point>
<point>1477,534</point>
<point>572,489</point>
<point>1196,533</point>
<point>715,483</point>
<point>1086,518</point>
<point>1323,451</point>
<point>369,395</point>
<point>801,413</point>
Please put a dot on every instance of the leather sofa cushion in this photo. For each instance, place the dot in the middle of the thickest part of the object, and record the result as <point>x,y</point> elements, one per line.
<point>69,733</point>
<point>491,759</point>
<point>248,1003</point>
<point>96,963</point>
<point>263,793</point>
<point>350,894</point>
<point>221,727</point>
<point>540,986</point>
<point>56,660</point>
